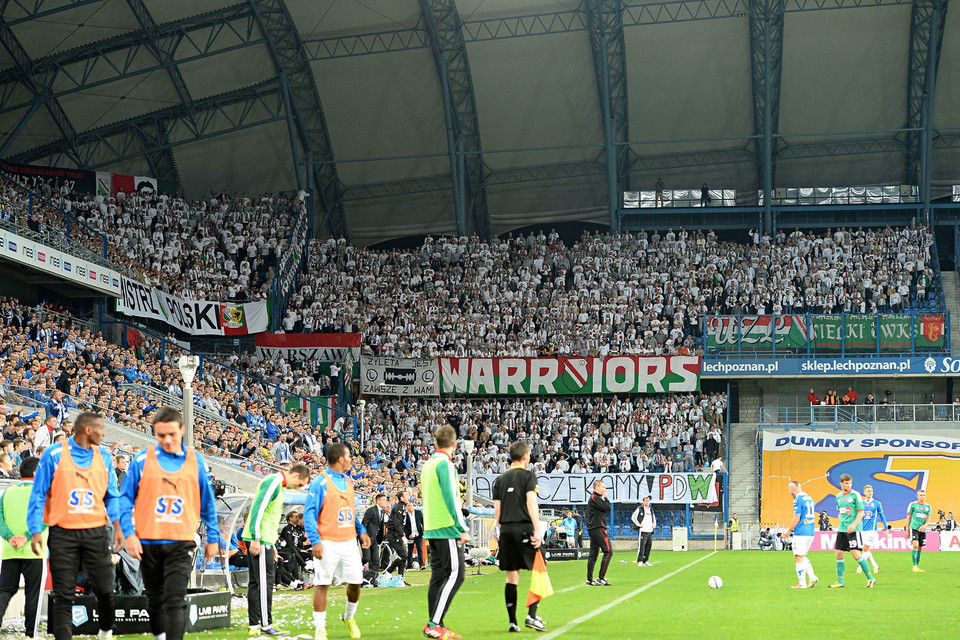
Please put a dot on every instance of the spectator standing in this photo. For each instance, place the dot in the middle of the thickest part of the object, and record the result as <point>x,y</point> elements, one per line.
<point>44,435</point>
<point>598,506</point>
<point>57,408</point>
<point>170,490</point>
<point>78,467</point>
<point>658,198</point>
<point>413,528</point>
<point>704,195</point>
<point>646,520</point>
<point>445,530</point>
<point>260,534</point>
<point>813,398</point>
<point>19,559</point>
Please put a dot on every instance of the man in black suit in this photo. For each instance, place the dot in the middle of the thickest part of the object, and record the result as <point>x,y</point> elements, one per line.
<point>375,522</point>
<point>396,533</point>
<point>413,529</point>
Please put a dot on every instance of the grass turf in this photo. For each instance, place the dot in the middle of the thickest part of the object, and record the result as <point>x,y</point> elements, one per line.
<point>668,600</point>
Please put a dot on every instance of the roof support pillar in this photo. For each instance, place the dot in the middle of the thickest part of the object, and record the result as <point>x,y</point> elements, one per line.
<point>445,33</point>
<point>766,58</point>
<point>605,21</point>
<point>937,19</point>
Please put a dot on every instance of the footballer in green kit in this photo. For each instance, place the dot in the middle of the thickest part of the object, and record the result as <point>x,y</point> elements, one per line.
<point>918,513</point>
<point>850,510</point>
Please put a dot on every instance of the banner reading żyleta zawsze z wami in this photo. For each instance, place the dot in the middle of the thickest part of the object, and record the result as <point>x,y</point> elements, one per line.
<point>569,375</point>
<point>895,465</point>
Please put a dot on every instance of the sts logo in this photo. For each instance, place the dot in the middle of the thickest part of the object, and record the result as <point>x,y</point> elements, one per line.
<point>81,501</point>
<point>345,516</point>
<point>169,509</point>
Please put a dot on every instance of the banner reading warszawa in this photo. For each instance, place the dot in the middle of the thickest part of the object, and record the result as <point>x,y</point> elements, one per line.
<point>568,375</point>
<point>626,488</point>
<point>323,347</point>
<point>196,317</point>
<point>386,376</point>
<point>895,465</point>
<point>898,332</point>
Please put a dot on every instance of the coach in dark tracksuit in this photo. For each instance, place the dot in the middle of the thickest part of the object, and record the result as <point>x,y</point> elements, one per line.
<point>597,509</point>
<point>396,533</point>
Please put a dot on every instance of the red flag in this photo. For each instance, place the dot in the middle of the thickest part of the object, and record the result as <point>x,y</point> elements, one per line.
<point>123,183</point>
<point>540,586</point>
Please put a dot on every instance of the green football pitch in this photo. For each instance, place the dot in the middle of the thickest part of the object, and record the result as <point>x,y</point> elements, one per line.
<point>671,599</point>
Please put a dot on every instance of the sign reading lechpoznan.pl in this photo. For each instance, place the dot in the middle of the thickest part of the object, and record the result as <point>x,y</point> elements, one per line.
<point>803,367</point>
<point>570,375</point>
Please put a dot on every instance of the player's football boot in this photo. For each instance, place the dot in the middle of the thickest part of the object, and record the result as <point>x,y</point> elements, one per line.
<point>799,585</point>
<point>272,631</point>
<point>320,634</point>
<point>813,583</point>
<point>514,628</point>
<point>352,629</point>
<point>917,569</point>
<point>870,583</point>
<point>253,632</point>
<point>837,585</point>
<point>535,623</point>
<point>450,635</point>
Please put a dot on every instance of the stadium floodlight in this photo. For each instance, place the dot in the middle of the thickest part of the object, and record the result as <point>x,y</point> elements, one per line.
<point>468,447</point>
<point>188,366</point>
<point>362,404</point>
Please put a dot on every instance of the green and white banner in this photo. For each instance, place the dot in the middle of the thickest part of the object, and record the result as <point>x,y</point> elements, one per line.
<point>569,375</point>
<point>892,332</point>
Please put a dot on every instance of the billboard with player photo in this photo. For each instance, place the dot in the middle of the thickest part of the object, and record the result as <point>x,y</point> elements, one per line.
<point>897,466</point>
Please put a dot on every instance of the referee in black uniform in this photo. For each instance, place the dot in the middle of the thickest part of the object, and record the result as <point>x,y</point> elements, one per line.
<point>516,513</point>
<point>598,506</point>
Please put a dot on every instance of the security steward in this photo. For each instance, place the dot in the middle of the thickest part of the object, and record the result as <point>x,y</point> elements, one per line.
<point>18,558</point>
<point>516,512</point>
<point>75,493</point>
<point>168,489</point>
<point>375,522</point>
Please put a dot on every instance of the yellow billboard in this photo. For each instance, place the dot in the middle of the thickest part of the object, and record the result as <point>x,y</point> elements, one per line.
<point>897,466</point>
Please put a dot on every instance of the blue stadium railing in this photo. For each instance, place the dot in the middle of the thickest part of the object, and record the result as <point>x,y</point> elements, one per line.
<point>171,350</point>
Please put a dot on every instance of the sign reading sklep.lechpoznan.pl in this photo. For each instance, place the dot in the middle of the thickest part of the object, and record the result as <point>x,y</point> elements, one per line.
<point>796,367</point>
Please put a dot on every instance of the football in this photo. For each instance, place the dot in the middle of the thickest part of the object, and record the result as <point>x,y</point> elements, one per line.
<point>715,582</point>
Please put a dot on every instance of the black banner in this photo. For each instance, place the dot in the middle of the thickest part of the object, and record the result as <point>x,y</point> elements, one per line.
<point>33,177</point>
<point>205,610</point>
<point>552,555</point>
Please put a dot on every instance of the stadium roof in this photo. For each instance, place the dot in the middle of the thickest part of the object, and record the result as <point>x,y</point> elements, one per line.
<point>375,104</point>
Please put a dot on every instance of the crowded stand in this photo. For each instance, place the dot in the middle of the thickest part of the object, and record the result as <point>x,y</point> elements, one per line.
<point>45,354</point>
<point>642,293</point>
<point>221,247</point>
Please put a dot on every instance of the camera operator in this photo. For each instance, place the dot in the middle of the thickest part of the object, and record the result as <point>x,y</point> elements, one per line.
<point>950,524</point>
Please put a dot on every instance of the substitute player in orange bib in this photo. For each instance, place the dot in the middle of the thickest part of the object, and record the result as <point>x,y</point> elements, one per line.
<point>167,490</point>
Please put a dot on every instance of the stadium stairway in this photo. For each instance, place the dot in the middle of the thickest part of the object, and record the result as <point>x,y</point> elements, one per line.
<point>951,296</point>
<point>744,476</point>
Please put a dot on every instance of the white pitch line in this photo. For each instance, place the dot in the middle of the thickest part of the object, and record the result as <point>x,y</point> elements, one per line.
<point>564,590</point>
<point>573,623</point>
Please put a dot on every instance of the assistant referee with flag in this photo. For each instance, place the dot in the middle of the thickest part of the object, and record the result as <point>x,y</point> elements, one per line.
<point>518,517</point>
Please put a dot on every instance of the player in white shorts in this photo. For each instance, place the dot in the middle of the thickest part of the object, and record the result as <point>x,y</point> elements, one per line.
<point>872,516</point>
<point>802,528</point>
<point>332,527</point>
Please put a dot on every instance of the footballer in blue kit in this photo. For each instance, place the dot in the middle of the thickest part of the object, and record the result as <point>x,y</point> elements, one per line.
<point>872,517</point>
<point>802,528</point>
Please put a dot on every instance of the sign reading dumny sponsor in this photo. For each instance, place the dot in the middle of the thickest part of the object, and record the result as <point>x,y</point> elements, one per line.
<point>569,375</point>
<point>626,488</point>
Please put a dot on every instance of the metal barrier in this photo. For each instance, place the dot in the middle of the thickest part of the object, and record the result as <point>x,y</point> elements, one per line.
<point>813,417</point>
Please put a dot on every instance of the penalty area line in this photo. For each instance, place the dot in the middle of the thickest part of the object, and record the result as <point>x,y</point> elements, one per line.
<point>587,616</point>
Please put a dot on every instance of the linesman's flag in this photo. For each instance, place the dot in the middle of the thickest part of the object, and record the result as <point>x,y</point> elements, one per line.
<point>540,586</point>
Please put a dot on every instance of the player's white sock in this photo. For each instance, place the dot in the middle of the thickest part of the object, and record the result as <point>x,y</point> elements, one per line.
<point>872,561</point>
<point>320,619</point>
<point>801,570</point>
<point>105,634</point>
<point>162,636</point>
<point>809,568</point>
<point>350,610</point>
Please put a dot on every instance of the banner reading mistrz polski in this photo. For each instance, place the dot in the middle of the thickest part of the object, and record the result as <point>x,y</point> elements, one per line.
<point>302,347</point>
<point>568,375</point>
<point>196,317</point>
<point>627,488</point>
<point>399,376</point>
<point>797,367</point>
